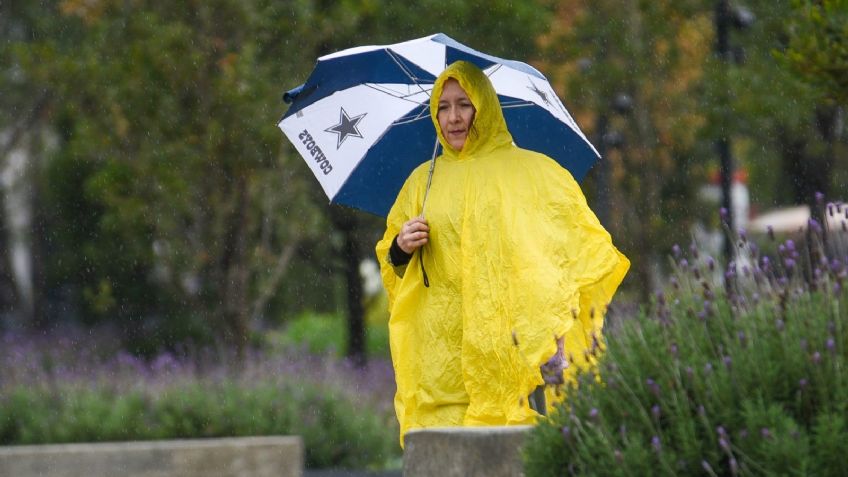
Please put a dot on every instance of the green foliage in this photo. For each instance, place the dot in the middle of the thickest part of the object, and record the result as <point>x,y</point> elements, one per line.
<point>336,432</point>
<point>744,380</point>
<point>818,46</point>
<point>326,333</point>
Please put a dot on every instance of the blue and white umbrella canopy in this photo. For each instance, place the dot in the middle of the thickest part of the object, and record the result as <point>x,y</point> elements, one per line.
<point>362,119</point>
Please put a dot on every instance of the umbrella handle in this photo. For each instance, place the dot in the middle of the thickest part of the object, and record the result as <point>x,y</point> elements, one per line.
<point>423,203</point>
<point>430,177</point>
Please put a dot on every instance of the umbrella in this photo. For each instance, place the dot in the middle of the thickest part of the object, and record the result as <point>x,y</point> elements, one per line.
<point>362,119</point>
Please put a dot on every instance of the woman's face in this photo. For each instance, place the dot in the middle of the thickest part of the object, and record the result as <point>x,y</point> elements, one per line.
<point>456,114</point>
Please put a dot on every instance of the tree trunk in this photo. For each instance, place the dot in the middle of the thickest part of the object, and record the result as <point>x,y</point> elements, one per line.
<point>37,234</point>
<point>345,220</point>
<point>8,292</point>
<point>234,271</point>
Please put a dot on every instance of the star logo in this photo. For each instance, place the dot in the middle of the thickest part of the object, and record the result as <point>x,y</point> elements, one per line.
<point>347,126</point>
<point>539,92</point>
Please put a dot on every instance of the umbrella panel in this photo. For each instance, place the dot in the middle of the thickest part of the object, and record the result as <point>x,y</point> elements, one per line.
<point>407,144</point>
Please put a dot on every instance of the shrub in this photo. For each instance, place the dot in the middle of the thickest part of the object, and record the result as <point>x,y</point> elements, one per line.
<point>743,379</point>
<point>54,391</point>
<point>322,333</point>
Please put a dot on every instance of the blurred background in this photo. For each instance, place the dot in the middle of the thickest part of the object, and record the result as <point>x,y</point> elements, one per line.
<point>155,224</point>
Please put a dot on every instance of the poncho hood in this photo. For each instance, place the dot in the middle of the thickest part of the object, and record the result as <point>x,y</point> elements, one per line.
<point>489,129</point>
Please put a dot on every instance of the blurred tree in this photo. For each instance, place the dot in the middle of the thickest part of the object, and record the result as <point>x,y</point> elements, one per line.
<point>651,54</point>
<point>818,46</point>
<point>660,54</point>
<point>170,206</point>
<point>22,117</point>
<point>167,134</point>
<point>791,120</point>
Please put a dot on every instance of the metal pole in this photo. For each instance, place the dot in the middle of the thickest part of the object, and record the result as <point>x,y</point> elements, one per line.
<point>722,24</point>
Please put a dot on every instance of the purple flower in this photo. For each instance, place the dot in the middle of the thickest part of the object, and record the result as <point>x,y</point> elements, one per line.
<point>790,244</point>
<point>593,413</point>
<point>653,386</point>
<point>566,432</point>
<point>770,231</point>
<point>673,349</point>
<point>722,212</point>
<point>830,344</point>
<point>656,411</point>
<point>734,466</point>
<point>802,383</point>
<point>656,444</point>
<point>727,361</point>
<point>707,467</point>
<point>684,263</point>
<point>740,335</point>
<point>789,263</point>
<point>816,357</point>
<point>708,368</point>
<point>814,225</point>
<point>675,249</point>
<point>819,198</point>
<point>765,432</point>
<point>710,263</point>
<point>722,442</point>
<point>743,236</point>
<point>721,431</point>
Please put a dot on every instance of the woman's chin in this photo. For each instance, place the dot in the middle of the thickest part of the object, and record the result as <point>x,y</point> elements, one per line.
<point>457,144</point>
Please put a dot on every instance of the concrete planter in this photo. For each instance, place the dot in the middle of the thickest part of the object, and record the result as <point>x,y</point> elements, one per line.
<point>464,452</point>
<point>280,456</point>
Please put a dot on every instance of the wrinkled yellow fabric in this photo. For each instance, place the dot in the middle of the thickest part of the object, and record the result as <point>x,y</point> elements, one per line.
<point>515,259</point>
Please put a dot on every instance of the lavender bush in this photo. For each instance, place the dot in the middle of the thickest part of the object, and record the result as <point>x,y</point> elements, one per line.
<point>72,387</point>
<point>732,372</point>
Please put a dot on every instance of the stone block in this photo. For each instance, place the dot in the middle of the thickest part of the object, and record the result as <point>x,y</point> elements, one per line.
<point>277,456</point>
<point>464,452</point>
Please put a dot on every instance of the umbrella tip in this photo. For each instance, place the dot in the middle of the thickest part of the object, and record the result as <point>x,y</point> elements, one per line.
<point>290,95</point>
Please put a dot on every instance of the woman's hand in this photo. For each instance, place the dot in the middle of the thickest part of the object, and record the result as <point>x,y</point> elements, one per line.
<point>413,234</point>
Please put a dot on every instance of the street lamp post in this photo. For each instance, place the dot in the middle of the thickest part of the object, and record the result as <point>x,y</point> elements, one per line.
<point>725,18</point>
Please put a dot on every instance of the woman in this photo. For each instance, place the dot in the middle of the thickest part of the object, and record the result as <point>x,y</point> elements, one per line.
<point>508,263</point>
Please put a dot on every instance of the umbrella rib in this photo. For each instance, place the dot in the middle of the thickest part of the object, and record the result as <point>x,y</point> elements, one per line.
<point>522,104</point>
<point>403,68</point>
<point>391,93</point>
<point>496,68</point>
<point>402,121</point>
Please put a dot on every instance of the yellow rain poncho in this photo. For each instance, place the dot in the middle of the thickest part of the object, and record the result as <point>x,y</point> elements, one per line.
<point>515,259</point>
